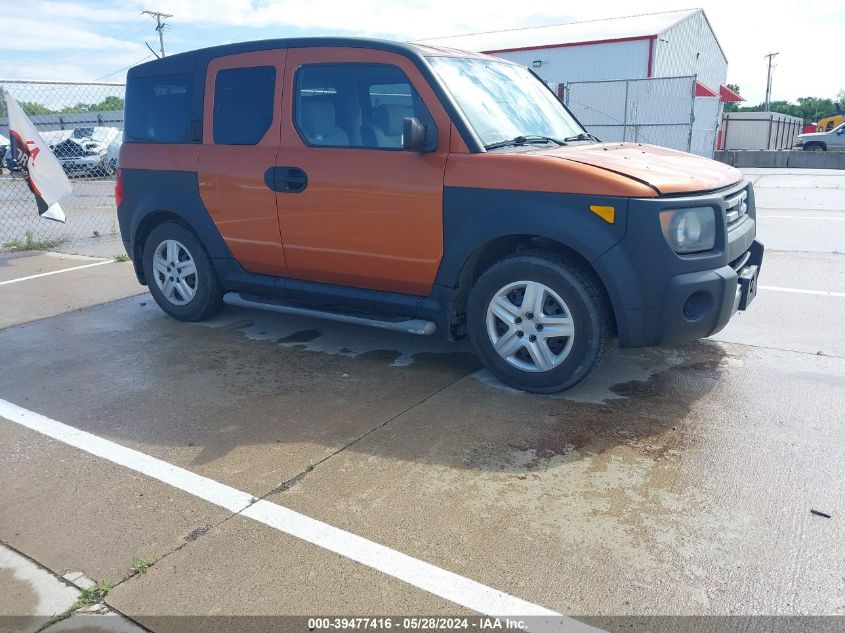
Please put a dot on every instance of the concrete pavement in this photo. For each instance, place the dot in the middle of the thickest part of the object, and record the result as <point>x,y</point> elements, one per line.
<point>676,481</point>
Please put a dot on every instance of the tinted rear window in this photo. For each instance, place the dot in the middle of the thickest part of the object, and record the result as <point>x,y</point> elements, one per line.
<point>158,109</point>
<point>243,104</point>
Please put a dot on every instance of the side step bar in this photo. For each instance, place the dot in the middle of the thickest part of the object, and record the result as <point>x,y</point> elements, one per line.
<point>400,324</point>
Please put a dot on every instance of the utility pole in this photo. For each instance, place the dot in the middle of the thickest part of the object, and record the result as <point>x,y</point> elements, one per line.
<point>159,26</point>
<point>770,56</point>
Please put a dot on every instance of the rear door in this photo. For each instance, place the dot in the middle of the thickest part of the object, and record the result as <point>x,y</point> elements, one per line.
<point>359,210</point>
<point>242,122</point>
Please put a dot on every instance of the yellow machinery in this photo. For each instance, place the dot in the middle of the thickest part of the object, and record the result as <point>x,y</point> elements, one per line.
<point>831,121</point>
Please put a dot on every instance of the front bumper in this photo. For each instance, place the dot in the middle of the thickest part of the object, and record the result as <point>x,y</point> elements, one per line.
<point>661,297</point>
<point>699,304</point>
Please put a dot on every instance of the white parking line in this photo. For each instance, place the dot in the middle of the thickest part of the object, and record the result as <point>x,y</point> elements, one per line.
<point>55,272</point>
<point>440,582</point>
<point>821,293</point>
<point>797,217</point>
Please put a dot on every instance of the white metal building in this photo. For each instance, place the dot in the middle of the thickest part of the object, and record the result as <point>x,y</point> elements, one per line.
<point>669,44</point>
<point>639,47</point>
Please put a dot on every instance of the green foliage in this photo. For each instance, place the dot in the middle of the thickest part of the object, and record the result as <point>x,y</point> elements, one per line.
<point>811,109</point>
<point>139,566</point>
<point>31,244</point>
<point>33,108</point>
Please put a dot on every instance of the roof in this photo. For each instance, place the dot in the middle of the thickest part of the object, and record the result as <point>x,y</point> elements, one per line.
<point>729,96</point>
<point>632,27</point>
<point>189,60</point>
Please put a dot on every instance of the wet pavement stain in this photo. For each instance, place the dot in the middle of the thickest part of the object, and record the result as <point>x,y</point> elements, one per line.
<point>644,418</point>
<point>302,336</point>
<point>603,476</point>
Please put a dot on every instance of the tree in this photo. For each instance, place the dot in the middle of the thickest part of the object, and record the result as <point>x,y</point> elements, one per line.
<point>4,112</point>
<point>733,107</point>
<point>108,104</point>
<point>810,109</point>
<point>34,108</point>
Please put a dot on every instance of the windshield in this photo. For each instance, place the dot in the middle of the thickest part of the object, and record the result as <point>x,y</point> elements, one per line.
<point>503,101</point>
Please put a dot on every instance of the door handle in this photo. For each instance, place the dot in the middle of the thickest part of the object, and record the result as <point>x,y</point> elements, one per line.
<point>286,179</point>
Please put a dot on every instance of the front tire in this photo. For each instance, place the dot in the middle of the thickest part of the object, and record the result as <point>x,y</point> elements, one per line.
<point>180,274</point>
<point>815,147</point>
<point>538,322</point>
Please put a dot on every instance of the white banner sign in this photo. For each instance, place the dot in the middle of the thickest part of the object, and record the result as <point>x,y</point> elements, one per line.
<point>42,170</point>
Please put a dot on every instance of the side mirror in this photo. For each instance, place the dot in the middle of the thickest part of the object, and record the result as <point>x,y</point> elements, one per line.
<point>415,136</point>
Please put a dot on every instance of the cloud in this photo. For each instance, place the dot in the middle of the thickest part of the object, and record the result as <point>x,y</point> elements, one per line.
<point>412,19</point>
<point>29,34</point>
<point>90,38</point>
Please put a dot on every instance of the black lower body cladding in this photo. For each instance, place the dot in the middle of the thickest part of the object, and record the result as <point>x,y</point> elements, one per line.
<point>656,295</point>
<point>157,194</point>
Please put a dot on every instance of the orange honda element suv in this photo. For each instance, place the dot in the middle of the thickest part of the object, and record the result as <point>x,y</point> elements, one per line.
<point>422,189</point>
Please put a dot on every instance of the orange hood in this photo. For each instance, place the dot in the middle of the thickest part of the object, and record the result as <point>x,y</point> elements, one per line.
<point>666,170</point>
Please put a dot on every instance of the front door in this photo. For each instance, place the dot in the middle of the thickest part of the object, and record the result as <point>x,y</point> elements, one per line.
<point>837,138</point>
<point>240,140</point>
<point>357,209</point>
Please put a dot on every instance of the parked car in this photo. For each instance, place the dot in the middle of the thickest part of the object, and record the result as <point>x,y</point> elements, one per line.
<point>822,141</point>
<point>85,151</point>
<point>112,153</point>
<point>5,150</point>
<point>80,157</point>
<point>421,189</point>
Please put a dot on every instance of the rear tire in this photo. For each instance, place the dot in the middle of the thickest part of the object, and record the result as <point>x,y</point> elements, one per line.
<point>538,322</point>
<point>180,274</point>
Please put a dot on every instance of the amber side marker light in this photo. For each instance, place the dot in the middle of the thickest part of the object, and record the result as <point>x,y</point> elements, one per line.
<point>608,214</point>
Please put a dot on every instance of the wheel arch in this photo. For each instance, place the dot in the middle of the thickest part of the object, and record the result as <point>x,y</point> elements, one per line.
<point>494,250</point>
<point>142,231</point>
<point>151,197</point>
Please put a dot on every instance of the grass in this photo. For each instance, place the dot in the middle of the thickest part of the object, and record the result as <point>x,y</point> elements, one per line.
<point>31,244</point>
<point>123,257</point>
<point>87,597</point>
<point>140,566</point>
<point>310,467</point>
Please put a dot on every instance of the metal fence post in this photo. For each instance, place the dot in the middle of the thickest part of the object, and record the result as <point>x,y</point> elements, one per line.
<point>692,113</point>
<point>625,116</point>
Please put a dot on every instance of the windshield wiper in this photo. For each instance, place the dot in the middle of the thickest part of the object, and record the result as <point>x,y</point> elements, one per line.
<point>583,136</point>
<point>527,139</point>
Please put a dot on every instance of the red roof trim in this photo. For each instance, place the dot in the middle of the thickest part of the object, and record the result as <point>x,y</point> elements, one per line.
<point>586,43</point>
<point>729,96</point>
<point>703,91</point>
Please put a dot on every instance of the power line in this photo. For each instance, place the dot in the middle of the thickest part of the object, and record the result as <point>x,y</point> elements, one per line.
<point>158,15</point>
<point>124,68</point>
<point>770,56</point>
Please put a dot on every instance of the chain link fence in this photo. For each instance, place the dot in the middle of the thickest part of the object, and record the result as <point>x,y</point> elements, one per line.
<point>83,124</point>
<point>661,111</point>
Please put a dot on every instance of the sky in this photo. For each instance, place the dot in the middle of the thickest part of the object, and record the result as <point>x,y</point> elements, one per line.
<point>96,39</point>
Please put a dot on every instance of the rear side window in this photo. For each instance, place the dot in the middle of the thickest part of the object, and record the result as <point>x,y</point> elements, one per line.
<point>158,109</point>
<point>243,104</point>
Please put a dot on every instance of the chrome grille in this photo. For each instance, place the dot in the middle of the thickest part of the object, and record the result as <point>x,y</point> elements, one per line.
<point>736,207</point>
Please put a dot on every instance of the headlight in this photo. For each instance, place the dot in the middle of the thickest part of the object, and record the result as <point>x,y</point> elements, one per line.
<point>689,230</point>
